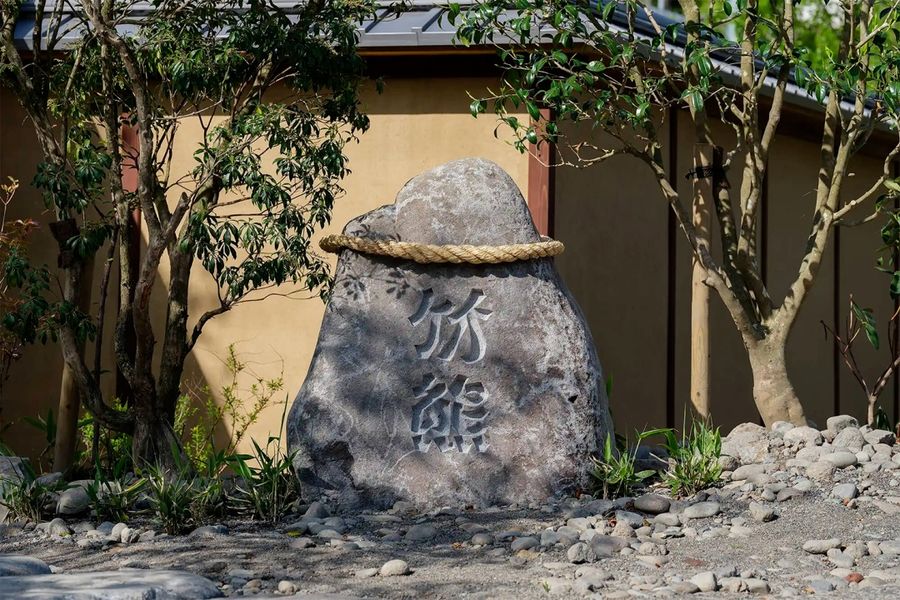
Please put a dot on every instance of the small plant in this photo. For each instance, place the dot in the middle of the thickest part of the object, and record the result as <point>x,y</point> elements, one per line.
<point>170,495</point>
<point>694,459</point>
<point>614,471</point>
<point>26,497</point>
<point>862,320</point>
<point>267,489</point>
<point>171,492</point>
<point>112,499</point>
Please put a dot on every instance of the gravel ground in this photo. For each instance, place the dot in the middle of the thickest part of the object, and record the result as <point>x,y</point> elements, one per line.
<point>321,555</point>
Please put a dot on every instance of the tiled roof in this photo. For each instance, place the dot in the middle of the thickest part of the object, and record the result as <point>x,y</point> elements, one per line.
<point>421,23</point>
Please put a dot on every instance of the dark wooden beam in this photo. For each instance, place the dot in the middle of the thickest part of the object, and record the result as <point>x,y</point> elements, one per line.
<point>542,182</point>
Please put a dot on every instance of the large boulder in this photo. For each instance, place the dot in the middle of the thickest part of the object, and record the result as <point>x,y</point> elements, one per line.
<point>449,384</point>
<point>12,467</point>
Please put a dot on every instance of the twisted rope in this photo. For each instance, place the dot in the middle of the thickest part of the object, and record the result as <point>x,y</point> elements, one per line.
<point>432,253</point>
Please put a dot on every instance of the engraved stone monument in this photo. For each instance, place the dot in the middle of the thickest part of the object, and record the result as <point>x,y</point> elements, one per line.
<point>443,383</point>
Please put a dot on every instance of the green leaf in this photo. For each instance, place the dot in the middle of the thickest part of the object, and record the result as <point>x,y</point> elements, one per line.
<point>642,110</point>
<point>867,320</point>
<point>704,65</point>
<point>696,100</point>
<point>595,66</point>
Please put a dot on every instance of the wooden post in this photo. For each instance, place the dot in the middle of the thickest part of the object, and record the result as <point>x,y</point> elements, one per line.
<point>702,200</point>
<point>541,182</point>
<point>69,395</point>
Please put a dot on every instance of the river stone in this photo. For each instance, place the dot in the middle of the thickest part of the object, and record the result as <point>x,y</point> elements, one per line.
<point>449,384</point>
<point>74,500</point>
<point>748,442</point>
<point>124,584</point>
<point>16,564</point>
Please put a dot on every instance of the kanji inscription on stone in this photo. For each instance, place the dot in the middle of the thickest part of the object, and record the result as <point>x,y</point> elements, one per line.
<point>462,322</point>
<point>449,416</point>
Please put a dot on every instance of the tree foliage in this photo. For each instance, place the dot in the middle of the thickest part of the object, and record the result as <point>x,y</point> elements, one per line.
<point>14,235</point>
<point>624,71</point>
<point>263,98</point>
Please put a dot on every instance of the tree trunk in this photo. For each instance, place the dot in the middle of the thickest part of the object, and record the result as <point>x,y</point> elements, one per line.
<point>773,392</point>
<point>155,442</point>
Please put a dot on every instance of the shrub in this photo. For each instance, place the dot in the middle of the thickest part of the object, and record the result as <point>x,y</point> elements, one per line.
<point>239,409</point>
<point>694,459</point>
<point>13,238</point>
<point>105,446</point>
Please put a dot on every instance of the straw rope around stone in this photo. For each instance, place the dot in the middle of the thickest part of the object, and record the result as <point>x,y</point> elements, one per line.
<point>432,253</point>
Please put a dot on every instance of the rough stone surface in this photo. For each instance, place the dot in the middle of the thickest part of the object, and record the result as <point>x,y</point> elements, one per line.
<point>444,384</point>
<point>761,512</point>
<point>849,437</point>
<point>845,491</point>
<point>879,436</point>
<point>124,584</point>
<point>58,527</point>
<point>821,470</point>
<point>705,582</point>
<point>11,467</point>
<point>803,434</point>
<point>821,546</point>
<point>419,533</point>
<point>842,459</point>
